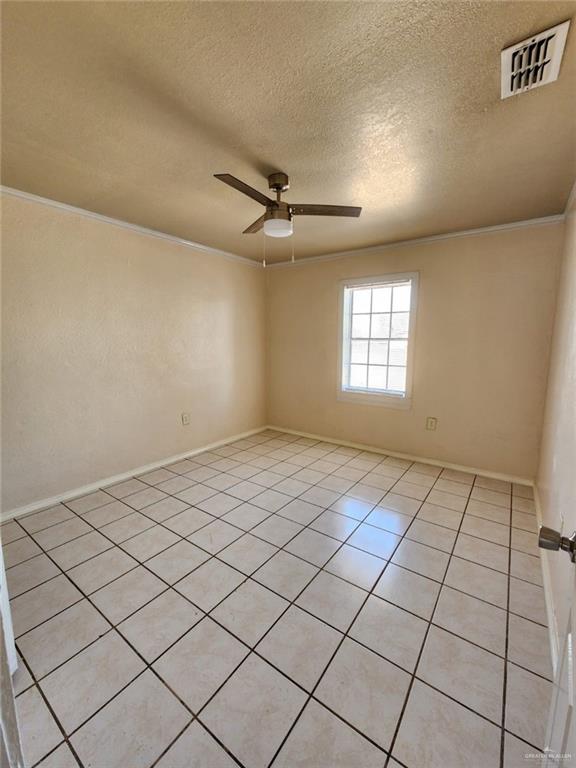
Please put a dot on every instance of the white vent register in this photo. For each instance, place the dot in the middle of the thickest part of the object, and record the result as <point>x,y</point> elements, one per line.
<point>533,62</point>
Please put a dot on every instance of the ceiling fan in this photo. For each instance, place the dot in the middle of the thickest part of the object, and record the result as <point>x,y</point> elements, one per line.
<point>277,221</point>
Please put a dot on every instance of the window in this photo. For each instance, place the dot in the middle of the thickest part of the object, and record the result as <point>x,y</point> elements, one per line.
<point>377,329</point>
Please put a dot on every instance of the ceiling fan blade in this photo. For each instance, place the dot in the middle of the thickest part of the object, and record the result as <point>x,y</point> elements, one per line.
<point>256,226</point>
<point>325,210</point>
<point>232,181</point>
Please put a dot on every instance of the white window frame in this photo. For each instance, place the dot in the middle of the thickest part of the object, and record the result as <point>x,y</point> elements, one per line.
<point>349,394</point>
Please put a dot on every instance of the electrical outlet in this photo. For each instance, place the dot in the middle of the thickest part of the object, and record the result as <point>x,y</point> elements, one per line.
<point>186,419</point>
<point>431,423</point>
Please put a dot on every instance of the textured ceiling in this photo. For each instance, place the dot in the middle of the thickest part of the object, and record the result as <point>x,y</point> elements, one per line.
<point>128,108</point>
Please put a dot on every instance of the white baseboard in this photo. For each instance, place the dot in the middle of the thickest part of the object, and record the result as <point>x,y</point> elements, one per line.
<point>408,456</point>
<point>35,506</point>
<point>553,633</point>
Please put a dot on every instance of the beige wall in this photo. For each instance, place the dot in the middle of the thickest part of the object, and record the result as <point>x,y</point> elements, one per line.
<point>485,314</point>
<point>108,335</point>
<point>557,472</point>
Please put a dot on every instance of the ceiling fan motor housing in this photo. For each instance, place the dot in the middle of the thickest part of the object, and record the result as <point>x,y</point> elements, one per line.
<point>279,211</point>
<point>279,182</point>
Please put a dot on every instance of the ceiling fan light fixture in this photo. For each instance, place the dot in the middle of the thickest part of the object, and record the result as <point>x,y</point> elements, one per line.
<point>278,227</point>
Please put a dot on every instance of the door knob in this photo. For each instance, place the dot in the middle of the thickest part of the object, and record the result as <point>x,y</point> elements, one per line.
<point>548,538</point>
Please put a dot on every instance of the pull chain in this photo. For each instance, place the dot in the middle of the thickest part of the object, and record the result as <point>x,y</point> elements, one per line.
<point>292,242</point>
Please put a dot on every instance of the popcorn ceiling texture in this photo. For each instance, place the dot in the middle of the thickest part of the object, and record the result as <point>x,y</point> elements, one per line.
<point>127,109</point>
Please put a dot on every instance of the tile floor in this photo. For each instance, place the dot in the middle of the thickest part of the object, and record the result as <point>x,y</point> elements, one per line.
<point>282,601</point>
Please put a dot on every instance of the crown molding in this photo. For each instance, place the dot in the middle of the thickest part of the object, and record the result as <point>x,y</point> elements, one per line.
<point>374,250</point>
<point>127,225</point>
<point>571,199</point>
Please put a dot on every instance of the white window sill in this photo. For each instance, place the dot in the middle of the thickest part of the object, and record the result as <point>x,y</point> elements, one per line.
<point>374,398</point>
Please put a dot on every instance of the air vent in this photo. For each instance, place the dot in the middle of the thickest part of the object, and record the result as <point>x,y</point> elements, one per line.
<point>534,61</point>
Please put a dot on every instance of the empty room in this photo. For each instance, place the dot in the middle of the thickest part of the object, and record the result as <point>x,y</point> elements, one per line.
<point>288,395</point>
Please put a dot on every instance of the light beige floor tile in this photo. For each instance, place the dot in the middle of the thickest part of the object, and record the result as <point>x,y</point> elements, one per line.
<point>432,535</point>
<point>457,475</point>
<point>126,488</point>
<point>127,527</point>
<point>356,566</point>
<point>341,485</point>
<point>90,679</point>
<point>187,465</point>
<point>101,570</point>
<point>366,690</point>
<point>246,516</point>
<point>256,693</point>
<point>55,641</point>
<point>144,498</point>
<point>301,511</point>
<point>433,513</point>
<point>452,486</point>
<point>412,490</point>
<point>250,611</point>
<point>525,541</point>
<point>89,502</point>
<point>177,561</point>
<point>19,551</point>
<point>200,474</point>
<point>335,525</point>
<point>527,600</point>
<point>196,494</point>
<point>389,520</point>
<point>333,600</point>
<point>188,521</point>
<point>408,590</point>
<point>292,487</point>
<point>60,758</point>
<point>478,581</point>
<point>419,478</point>
<point>277,530</point>
<point>247,553</point>
<point>134,729</point>
<point>177,484</point>
<point>21,679</point>
<point>374,540</point>
<point>524,505</point>
<point>200,662</point>
<point>366,493</point>
<point>390,631</point>
<point>159,624</point>
<point>522,491</point>
<point>346,505</point>
<point>149,543</point>
<point>38,730</point>
<point>527,702</point>
<point>41,603</point>
<point>108,513</point>
<point>165,509</point>
<point>300,645</point>
<point>11,531</point>
<point>403,504</point>
<point>195,748</point>
<point>436,731</point>
<point>285,574</point>
<point>486,529</point>
<point>472,619</point>
<point>421,559</point>
<point>215,536</point>
<point>40,520</point>
<point>219,504</point>
<point>314,547</point>
<point>209,584</point>
<point>79,550</point>
<point>482,552</point>
<point>529,646</point>
<point>488,511</point>
<point>517,753</point>
<point>321,740</point>
<point>526,567</point>
<point>61,533</point>
<point>30,574</point>
<point>122,597</point>
<point>448,500</point>
<point>464,672</point>
<point>156,476</point>
<point>494,484</point>
<point>492,497</point>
